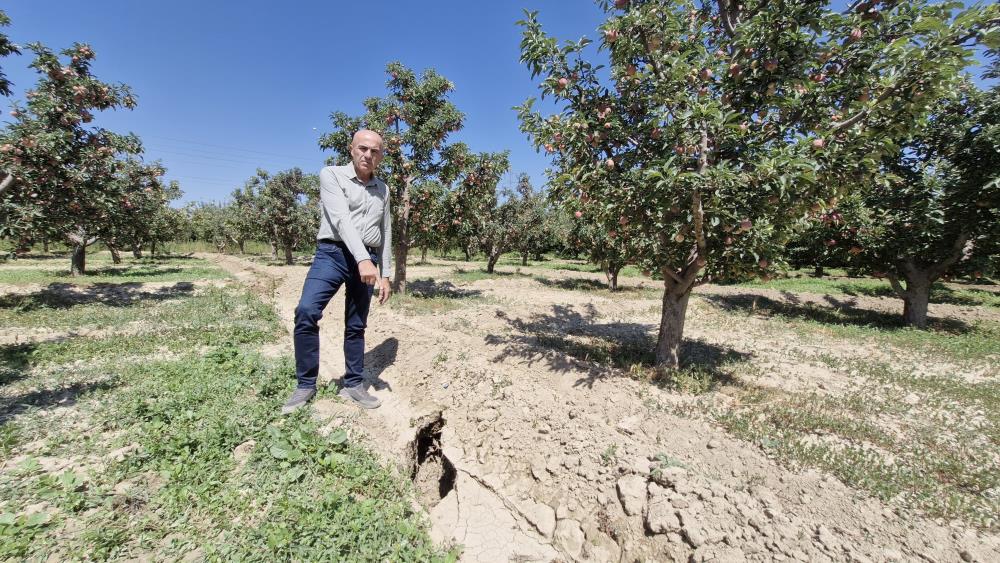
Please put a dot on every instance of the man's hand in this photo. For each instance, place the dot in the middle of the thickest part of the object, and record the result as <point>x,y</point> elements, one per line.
<point>369,273</point>
<point>384,291</point>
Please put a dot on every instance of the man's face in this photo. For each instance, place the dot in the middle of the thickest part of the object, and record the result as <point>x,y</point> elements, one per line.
<point>366,152</point>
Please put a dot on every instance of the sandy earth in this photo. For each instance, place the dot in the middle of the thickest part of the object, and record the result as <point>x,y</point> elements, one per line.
<point>543,457</point>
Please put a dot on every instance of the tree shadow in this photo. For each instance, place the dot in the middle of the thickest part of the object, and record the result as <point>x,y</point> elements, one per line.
<point>840,312</point>
<point>481,273</point>
<point>429,288</point>
<point>940,293</point>
<point>15,361</point>
<point>43,398</point>
<point>586,284</point>
<point>65,295</point>
<point>378,359</point>
<point>569,340</point>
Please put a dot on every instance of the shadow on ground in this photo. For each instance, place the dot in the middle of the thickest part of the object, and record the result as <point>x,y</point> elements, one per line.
<point>966,296</point>
<point>589,284</point>
<point>572,340</point>
<point>66,295</point>
<point>839,311</point>
<point>15,361</point>
<point>378,359</point>
<point>430,288</point>
<point>44,398</point>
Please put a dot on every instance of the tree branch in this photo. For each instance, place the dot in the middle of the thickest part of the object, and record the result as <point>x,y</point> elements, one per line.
<point>894,282</point>
<point>6,183</point>
<point>726,17</point>
<point>957,250</point>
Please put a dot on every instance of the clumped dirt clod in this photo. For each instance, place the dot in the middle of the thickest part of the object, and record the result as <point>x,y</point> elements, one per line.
<point>432,473</point>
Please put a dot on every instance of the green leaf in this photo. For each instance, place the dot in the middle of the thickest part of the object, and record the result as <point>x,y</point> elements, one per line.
<point>338,437</point>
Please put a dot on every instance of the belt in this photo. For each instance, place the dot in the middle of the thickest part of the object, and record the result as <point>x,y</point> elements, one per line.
<point>341,244</point>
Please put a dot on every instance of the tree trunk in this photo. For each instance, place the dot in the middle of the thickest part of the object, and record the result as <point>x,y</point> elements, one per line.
<point>915,304</point>
<point>818,272</point>
<point>116,255</point>
<point>242,244</point>
<point>289,259</point>
<point>915,296</point>
<point>274,250</point>
<point>423,254</point>
<point>152,249</point>
<point>401,232</point>
<point>491,262</point>
<point>136,251</point>
<point>524,258</point>
<point>78,261</point>
<point>668,343</point>
<point>468,252</point>
<point>611,272</point>
<point>45,245</point>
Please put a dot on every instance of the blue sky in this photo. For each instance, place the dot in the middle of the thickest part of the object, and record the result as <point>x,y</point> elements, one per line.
<point>225,87</point>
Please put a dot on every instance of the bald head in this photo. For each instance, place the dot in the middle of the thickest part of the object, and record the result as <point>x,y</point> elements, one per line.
<point>366,153</point>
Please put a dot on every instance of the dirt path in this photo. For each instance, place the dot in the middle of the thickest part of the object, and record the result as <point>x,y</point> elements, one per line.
<point>523,452</point>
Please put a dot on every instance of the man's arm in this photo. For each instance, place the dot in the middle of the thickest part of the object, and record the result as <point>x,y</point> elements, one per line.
<point>385,252</point>
<point>338,213</point>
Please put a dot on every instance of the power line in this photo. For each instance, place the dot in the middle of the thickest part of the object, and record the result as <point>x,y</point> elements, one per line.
<point>174,139</point>
<point>237,159</point>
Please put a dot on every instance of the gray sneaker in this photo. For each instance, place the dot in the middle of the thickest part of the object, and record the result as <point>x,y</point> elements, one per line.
<point>360,397</point>
<point>298,399</point>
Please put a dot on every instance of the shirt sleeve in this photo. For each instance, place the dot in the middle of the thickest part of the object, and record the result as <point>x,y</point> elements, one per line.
<point>385,252</point>
<point>338,214</point>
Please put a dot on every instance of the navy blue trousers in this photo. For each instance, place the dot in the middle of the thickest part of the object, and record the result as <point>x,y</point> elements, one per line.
<point>333,267</point>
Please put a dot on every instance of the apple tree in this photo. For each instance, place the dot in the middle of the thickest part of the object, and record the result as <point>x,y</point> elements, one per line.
<point>825,243</point>
<point>428,222</point>
<point>59,176</point>
<point>243,217</point>
<point>143,195</point>
<point>480,219</point>
<point>537,232</point>
<point>720,126</point>
<point>288,201</point>
<point>933,211</point>
<point>414,119</point>
<point>6,48</point>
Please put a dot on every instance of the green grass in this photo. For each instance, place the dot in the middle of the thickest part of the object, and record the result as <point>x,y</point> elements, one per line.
<point>101,270</point>
<point>954,339</point>
<point>940,455</point>
<point>302,493</point>
<point>429,296</point>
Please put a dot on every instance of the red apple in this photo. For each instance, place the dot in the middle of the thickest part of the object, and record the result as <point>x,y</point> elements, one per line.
<point>610,163</point>
<point>611,35</point>
<point>620,4</point>
<point>562,84</point>
<point>706,74</point>
<point>818,143</point>
<point>763,263</point>
<point>771,65</point>
<point>630,70</point>
<point>856,34</point>
<point>679,237</point>
<point>578,214</point>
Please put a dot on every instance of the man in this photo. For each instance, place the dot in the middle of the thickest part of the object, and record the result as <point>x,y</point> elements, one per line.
<point>355,237</point>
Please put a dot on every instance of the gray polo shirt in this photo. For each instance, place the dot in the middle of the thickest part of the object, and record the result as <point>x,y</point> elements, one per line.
<point>356,213</point>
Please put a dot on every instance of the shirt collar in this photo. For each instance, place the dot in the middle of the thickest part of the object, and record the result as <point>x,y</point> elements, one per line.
<point>353,174</point>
